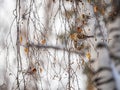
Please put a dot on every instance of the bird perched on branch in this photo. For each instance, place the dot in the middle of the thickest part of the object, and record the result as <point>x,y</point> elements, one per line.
<point>78,39</point>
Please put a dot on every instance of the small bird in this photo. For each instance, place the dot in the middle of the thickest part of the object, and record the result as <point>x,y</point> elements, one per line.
<point>78,39</point>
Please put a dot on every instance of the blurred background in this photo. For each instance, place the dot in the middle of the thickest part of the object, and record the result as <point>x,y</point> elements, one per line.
<point>54,44</point>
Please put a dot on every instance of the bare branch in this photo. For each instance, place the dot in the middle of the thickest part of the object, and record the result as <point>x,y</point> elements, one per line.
<point>53,47</point>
